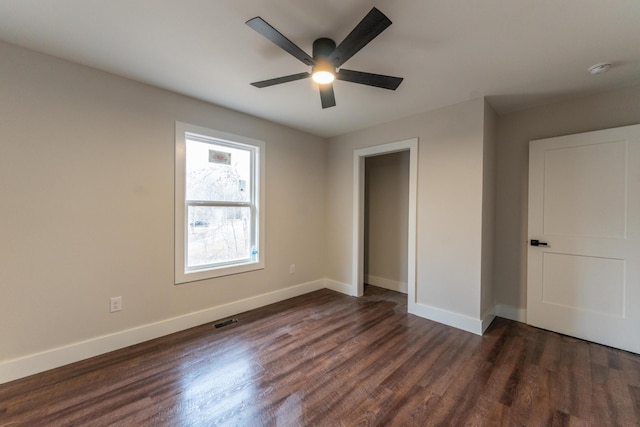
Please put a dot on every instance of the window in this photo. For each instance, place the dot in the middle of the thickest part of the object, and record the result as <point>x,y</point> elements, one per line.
<point>219,215</point>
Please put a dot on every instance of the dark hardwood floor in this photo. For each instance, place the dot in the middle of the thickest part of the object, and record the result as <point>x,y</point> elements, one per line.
<point>329,359</point>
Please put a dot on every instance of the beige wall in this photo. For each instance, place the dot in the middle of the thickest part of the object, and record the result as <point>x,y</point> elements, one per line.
<point>449,217</point>
<point>386,220</point>
<point>86,204</point>
<point>611,109</point>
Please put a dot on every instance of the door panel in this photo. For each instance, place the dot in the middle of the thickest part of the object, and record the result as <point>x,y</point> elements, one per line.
<point>588,195</point>
<point>575,281</point>
<point>584,201</point>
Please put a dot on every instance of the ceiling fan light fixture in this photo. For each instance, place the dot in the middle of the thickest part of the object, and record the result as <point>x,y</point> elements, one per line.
<point>323,77</point>
<point>323,72</point>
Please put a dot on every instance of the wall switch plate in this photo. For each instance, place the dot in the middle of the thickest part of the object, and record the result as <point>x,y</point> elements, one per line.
<point>115,304</point>
<point>292,269</point>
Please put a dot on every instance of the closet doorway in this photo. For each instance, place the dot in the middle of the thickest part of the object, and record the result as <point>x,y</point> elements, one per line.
<point>411,147</point>
<point>386,220</point>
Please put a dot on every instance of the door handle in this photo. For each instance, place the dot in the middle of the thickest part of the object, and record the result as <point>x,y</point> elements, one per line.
<point>539,243</point>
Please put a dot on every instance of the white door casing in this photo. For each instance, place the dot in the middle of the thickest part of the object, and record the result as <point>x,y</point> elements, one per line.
<point>584,202</point>
<point>411,145</point>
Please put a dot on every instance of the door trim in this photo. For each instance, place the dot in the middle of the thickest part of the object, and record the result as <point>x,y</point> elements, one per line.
<point>359,156</point>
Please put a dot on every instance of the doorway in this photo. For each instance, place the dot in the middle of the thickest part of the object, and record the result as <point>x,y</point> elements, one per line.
<point>360,156</point>
<point>386,206</point>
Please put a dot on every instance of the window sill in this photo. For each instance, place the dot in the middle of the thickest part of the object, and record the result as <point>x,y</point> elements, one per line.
<point>212,273</point>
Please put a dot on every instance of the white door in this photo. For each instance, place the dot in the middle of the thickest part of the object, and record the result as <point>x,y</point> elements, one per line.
<point>584,204</point>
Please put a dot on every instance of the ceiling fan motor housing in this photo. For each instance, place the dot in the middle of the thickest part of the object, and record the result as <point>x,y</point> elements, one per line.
<point>322,48</point>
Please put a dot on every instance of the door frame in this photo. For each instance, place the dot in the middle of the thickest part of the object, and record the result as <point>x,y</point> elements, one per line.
<point>359,156</point>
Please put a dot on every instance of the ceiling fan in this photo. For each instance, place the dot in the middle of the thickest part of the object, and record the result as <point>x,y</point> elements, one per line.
<point>327,58</point>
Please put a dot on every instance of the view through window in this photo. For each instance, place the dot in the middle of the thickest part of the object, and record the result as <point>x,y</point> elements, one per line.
<point>219,203</point>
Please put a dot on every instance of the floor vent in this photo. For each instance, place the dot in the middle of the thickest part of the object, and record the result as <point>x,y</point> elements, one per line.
<point>226,322</point>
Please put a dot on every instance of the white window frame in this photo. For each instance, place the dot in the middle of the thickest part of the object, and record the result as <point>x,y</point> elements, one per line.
<point>182,273</point>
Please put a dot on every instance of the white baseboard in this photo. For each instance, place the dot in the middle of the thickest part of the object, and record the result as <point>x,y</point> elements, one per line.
<point>32,364</point>
<point>343,288</point>
<point>487,317</point>
<point>449,318</point>
<point>486,322</point>
<point>510,312</point>
<point>382,282</point>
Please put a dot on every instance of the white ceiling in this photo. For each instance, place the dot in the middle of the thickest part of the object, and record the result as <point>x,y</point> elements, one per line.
<point>518,53</point>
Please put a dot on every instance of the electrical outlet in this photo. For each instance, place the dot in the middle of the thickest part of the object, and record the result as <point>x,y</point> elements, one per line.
<point>292,269</point>
<point>116,304</point>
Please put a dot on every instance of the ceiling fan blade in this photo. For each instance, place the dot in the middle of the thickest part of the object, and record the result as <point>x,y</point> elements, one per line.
<point>327,97</point>
<point>369,79</point>
<point>261,26</point>
<point>283,79</point>
<point>368,29</point>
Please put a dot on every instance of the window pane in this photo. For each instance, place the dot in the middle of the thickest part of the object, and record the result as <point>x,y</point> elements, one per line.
<point>215,172</point>
<point>218,234</point>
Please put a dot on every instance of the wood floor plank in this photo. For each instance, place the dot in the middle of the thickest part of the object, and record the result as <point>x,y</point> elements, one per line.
<point>326,359</point>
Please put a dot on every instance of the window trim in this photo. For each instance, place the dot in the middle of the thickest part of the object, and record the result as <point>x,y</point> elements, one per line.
<point>181,273</point>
